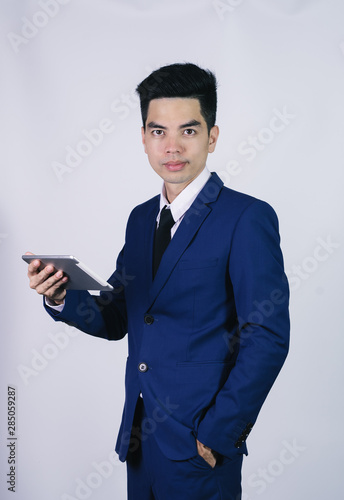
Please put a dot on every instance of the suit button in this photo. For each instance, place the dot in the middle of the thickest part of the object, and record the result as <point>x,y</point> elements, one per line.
<point>143,367</point>
<point>149,320</point>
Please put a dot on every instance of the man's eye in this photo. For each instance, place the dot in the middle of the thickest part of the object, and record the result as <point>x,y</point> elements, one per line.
<point>189,131</point>
<point>157,132</point>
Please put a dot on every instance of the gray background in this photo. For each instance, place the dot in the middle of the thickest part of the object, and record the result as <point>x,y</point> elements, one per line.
<point>66,66</point>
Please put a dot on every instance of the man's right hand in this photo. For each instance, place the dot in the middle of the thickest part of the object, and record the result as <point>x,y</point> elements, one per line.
<point>47,281</point>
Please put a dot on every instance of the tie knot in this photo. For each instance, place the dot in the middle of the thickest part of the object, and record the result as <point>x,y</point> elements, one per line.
<point>166,219</point>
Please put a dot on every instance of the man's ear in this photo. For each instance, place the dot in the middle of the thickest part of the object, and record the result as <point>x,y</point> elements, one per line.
<point>143,138</point>
<point>213,136</point>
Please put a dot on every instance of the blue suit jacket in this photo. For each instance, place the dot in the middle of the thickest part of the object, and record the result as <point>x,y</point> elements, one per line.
<point>208,336</point>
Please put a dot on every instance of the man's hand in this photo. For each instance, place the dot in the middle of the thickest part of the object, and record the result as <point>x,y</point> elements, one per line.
<point>206,453</point>
<point>47,281</point>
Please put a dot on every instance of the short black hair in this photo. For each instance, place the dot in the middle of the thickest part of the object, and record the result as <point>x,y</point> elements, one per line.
<point>181,80</point>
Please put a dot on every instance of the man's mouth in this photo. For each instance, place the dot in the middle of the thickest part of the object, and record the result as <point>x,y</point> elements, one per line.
<point>174,166</point>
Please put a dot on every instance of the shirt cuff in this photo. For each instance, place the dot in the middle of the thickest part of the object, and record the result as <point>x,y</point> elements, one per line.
<point>57,308</point>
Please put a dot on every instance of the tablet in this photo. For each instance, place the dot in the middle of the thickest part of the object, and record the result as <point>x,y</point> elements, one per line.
<point>80,277</point>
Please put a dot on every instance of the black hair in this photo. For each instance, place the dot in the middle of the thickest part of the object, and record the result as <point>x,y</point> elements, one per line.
<point>180,80</point>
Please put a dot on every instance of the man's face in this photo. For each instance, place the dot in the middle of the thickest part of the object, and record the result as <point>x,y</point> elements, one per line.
<point>177,142</point>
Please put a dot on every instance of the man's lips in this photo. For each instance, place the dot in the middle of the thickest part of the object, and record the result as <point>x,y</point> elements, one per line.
<point>174,166</point>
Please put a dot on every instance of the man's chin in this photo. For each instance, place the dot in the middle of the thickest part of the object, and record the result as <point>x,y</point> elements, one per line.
<point>176,178</point>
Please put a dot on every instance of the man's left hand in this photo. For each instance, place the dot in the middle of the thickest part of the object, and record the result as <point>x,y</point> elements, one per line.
<point>206,453</point>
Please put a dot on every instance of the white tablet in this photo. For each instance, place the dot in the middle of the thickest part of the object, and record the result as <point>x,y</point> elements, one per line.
<point>80,277</point>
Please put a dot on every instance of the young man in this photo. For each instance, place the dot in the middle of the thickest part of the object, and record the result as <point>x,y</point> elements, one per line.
<point>204,303</point>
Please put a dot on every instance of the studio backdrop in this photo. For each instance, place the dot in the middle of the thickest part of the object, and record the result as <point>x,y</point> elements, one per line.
<point>72,169</point>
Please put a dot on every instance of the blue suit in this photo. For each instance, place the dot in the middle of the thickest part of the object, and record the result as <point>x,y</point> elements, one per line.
<point>208,336</point>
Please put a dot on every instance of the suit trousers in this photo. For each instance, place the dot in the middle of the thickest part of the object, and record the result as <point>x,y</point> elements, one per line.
<point>152,476</point>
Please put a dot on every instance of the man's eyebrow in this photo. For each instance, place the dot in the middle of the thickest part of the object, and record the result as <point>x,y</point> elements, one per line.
<point>155,125</point>
<point>192,123</point>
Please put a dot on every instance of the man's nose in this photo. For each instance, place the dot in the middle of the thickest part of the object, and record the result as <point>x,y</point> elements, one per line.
<point>173,145</point>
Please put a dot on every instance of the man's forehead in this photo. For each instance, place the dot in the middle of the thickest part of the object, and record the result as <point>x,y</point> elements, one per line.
<point>175,108</point>
<point>174,102</point>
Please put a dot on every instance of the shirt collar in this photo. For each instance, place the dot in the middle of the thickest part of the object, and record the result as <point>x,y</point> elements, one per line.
<point>185,199</point>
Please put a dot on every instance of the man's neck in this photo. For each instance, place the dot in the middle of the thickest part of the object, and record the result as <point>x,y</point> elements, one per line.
<point>173,190</point>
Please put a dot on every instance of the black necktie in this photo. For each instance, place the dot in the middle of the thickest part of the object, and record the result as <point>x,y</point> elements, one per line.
<point>162,236</point>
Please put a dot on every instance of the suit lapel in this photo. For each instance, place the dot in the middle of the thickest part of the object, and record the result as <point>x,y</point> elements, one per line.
<point>189,226</point>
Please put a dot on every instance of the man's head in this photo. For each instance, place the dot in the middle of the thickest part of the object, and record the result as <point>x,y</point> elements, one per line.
<point>178,105</point>
<point>180,80</point>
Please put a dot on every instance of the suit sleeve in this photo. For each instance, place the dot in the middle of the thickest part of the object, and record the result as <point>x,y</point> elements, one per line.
<point>102,316</point>
<point>261,296</point>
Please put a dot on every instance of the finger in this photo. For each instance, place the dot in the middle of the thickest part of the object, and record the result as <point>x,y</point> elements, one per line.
<point>202,447</point>
<point>209,457</point>
<point>211,461</point>
<point>33,265</point>
<point>46,283</point>
<point>34,268</point>
<point>206,453</point>
<point>45,279</point>
<point>38,275</point>
<point>56,292</point>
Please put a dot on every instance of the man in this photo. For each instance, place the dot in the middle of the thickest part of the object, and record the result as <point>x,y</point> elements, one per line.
<point>200,289</point>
